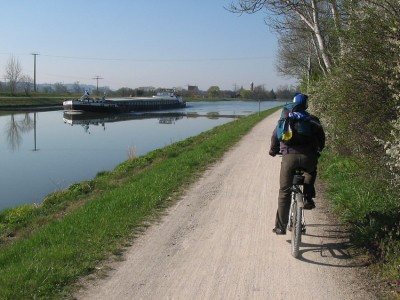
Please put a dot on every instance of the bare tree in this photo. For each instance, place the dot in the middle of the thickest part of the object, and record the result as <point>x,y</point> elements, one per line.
<point>317,17</point>
<point>48,89</point>
<point>76,88</point>
<point>60,88</point>
<point>26,82</point>
<point>290,63</point>
<point>13,131</point>
<point>13,73</point>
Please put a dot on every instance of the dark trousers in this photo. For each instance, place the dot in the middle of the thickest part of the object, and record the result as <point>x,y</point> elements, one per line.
<point>291,162</point>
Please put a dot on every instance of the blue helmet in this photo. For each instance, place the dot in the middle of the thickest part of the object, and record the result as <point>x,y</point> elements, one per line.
<point>301,99</point>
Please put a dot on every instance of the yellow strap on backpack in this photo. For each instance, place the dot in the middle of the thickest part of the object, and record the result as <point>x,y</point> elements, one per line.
<point>287,131</point>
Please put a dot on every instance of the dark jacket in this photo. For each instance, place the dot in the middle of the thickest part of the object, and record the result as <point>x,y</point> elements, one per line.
<point>313,146</point>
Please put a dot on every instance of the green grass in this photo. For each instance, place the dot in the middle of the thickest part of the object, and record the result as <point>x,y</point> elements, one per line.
<point>74,230</point>
<point>20,102</point>
<point>369,206</point>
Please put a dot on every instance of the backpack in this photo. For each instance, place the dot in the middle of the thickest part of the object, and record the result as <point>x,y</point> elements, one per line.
<point>294,127</point>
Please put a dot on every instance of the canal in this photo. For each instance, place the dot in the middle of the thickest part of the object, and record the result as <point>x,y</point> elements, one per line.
<point>44,152</point>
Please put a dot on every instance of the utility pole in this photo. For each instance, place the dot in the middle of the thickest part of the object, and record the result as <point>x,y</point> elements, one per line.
<point>97,77</point>
<point>34,71</point>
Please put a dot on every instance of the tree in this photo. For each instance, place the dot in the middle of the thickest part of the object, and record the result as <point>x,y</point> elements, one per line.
<point>213,91</point>
<point>259,92</point>
<point>272,94</point>
<point>285,92</point>
<point>76,88</point>
<point>13,73</point>
<point>104,90</point>
<point>26,82</point>
<point>59,88</point>
<point>313,20</point>
<point>297,57</point>
<point>365,83</point>
<point>246,94</point>
<point>48,89</point>
<point>127,92</point>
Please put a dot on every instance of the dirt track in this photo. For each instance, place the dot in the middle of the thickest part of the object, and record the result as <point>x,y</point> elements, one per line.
<point>217,243</point>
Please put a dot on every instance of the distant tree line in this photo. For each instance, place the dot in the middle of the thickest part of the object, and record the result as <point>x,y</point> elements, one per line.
<point>257,93</point>
<point>16,81</point>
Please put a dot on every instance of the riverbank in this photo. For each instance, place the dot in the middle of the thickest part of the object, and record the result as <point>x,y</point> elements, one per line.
<point>73,230</point>
<point>35,101</point>
<point>8,104</point>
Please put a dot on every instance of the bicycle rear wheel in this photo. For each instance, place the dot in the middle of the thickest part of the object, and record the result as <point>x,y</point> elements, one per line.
<point>297,227</point>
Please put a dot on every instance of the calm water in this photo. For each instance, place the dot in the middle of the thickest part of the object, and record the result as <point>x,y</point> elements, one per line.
<point>43,152</point>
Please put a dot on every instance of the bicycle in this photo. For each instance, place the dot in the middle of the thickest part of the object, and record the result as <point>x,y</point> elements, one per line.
<point>297,224</point>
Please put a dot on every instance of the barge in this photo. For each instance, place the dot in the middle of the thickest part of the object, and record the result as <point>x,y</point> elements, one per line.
<point>166,99</point>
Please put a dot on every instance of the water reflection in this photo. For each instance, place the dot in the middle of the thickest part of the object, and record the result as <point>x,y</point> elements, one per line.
<point>16,127</point>
<point>87,119</point>
<point>14,130</point>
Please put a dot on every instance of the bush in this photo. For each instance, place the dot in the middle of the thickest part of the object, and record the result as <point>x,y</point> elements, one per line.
<point>18,214</point>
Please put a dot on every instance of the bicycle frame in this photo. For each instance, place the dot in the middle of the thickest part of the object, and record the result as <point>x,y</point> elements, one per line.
<point>296,222</point>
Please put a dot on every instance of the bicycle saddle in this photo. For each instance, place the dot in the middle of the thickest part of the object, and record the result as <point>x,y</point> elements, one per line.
<point>298,178</point>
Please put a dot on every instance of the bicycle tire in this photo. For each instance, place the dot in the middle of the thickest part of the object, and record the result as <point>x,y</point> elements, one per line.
<point>297,227</point>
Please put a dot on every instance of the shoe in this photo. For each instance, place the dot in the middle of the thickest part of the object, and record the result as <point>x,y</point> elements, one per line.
<point>309,204</point>
<point>278,231</point>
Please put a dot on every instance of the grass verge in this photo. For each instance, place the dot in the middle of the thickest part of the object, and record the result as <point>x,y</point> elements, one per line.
<point>370,207</point>
<point>45,249</point>
<point>20,100</point>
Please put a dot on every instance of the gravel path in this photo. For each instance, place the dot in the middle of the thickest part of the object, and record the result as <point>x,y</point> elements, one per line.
<point>217,243</point>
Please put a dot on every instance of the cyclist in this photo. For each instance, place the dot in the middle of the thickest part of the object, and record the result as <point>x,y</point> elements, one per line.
<point>301,154</point>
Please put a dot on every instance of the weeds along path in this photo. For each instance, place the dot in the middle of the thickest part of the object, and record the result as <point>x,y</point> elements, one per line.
<point>217,243</point>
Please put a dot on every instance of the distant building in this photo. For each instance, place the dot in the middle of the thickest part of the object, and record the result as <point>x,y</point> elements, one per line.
<point>193,91</point>
<point>193,88</point>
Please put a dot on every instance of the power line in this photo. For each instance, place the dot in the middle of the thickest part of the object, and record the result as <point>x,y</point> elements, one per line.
<point>189,59</point>
<point>193,59</point>
<point>97,79</point>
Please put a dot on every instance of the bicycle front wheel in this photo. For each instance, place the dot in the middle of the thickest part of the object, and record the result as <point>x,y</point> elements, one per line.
<point>296,230</point>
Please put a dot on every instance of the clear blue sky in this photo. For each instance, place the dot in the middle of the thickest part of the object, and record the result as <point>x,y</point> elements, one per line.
<point>133,43</point>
